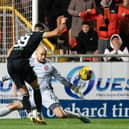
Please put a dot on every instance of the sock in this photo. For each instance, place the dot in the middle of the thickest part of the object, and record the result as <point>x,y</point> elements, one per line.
<point>72,114</point>
<point>26,103</point>
<point>38,99</point>
<point>4,111</point>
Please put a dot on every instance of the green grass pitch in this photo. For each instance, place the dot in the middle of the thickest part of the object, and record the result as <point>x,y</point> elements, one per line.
<point>65,124</point>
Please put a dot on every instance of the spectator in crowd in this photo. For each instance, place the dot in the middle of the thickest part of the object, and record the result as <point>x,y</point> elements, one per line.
<point>124,24</point>
<point>87,39</point>
<point>107,16</point>
<point>43,11</point>
<point>74,9</point>
<point>116,47</point>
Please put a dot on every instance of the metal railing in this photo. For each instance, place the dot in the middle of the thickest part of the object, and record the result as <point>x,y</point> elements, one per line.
<point>74,57</point>
<point>81,57</point>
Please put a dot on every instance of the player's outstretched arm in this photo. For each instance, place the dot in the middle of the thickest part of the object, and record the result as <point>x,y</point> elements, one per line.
<point>61,20</point>
<point>76,90</point>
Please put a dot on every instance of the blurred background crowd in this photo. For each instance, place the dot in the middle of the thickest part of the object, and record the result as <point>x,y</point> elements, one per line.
<point>88,33</point>
<point>90,25</point>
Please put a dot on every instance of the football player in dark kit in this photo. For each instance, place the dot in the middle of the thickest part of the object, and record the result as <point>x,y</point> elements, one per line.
<point>20,70</point>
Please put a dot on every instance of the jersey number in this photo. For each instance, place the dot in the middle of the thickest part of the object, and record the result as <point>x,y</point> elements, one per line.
<point>22,42</point>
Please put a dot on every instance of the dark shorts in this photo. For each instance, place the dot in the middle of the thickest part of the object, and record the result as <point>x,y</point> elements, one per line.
<point>20,71</point>
<point>53,106</point>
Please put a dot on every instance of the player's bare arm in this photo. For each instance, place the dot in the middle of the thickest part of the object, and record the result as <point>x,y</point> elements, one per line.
<point>61,20</point>
<point>9,51</point>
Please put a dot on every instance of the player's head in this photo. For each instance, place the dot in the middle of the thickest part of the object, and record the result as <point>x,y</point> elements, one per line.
<point>38,27</point>
<point>41,53</point>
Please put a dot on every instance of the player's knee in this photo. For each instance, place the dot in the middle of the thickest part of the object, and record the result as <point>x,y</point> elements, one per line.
<point>18,105</point>
<point>60,115</point>
<point>58,111</point>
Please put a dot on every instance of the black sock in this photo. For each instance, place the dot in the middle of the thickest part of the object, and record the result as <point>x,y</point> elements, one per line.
<point>26,103</point>
<point>38,99</point>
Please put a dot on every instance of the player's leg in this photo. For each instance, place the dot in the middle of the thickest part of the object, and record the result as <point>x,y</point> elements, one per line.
<point>31,78</point>
<point>59,112</point>
<point>50,100</point>
<point>20,71</point>
<point>38,101</point>
<point>17,70</point>
<point>25,98</point>
<point>10,107</point>
<point>37,95</point>
<point>70,114</point>
<point>25,95</point>
<point>34,112</point>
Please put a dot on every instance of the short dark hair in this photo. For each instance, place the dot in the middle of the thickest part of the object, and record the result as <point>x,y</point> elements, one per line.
<point>115,37</point>
<point>40,25</point>
<point>86,23</point>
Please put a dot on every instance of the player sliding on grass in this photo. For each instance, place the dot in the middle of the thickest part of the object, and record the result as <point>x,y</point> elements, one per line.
<point>20,70</point>
<point>45,71</point>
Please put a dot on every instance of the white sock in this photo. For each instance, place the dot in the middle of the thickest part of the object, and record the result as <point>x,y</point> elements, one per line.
<point>72,114</point>
<point>4,111</point>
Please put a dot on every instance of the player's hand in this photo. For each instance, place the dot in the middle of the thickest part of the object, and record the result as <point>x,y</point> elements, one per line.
<point>61,24</point>
<point>76,90</point>
<point>61,20</point>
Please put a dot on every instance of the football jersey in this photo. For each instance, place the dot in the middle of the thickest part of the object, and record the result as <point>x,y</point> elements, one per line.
<point>45,72</point>
<point>26,45</point>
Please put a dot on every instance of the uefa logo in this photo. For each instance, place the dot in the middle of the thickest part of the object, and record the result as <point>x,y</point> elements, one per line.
<point>84,86</point>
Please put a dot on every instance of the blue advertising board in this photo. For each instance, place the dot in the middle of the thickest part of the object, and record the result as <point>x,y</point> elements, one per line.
<point>94,108</point>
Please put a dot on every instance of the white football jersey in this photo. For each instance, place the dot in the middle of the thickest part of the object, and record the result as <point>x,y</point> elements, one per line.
<point>45,72</point>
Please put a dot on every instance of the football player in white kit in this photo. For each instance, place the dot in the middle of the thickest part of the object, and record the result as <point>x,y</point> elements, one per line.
<point>45,71</point>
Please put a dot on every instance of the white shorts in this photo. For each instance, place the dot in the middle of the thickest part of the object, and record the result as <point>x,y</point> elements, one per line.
<point>48,99</point>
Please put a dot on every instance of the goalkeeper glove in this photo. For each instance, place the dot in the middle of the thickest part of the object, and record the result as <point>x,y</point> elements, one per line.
<point>76,90</point>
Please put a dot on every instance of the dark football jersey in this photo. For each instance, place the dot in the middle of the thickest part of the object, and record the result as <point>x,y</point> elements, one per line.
<point>26,45</point>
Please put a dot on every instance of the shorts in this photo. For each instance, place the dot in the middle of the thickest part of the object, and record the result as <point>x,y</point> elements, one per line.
<point>20,71</point>
<point>49,100</point>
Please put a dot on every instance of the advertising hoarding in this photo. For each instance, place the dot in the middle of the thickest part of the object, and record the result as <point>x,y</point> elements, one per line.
<point>104,96</point>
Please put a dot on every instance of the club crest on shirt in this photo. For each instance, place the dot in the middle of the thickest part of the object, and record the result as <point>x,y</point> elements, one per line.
<point>46,67</point>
